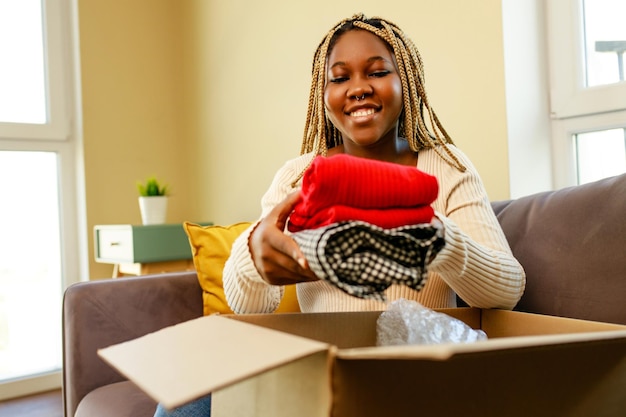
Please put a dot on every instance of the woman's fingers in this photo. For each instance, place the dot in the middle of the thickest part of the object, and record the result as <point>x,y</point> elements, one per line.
<point>280,269</point>
<point>281,212</point>
<point>277,256</point>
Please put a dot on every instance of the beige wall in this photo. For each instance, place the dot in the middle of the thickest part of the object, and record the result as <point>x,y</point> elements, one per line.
<point>211,96</point>
<point>251,76</point>
<point>132,108</point>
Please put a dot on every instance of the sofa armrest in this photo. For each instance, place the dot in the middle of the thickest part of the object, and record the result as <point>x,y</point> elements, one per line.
<point>101,313</point>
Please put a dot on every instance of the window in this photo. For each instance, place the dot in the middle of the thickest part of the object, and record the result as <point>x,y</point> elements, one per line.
<point>30,270</point>
<point>605,146</point>
<point>587,41</point>
<point>22,75</point>
<point>39,215</point>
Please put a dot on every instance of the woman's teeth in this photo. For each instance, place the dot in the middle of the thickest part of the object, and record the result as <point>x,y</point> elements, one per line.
<point>362,112</point>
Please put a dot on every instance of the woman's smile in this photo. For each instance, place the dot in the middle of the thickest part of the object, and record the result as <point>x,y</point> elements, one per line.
<point>363,115</point>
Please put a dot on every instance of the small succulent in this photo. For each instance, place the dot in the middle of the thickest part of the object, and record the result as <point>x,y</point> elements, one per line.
<point>151,187</point>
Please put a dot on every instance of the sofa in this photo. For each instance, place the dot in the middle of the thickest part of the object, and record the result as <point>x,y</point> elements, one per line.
<point>571,243</point>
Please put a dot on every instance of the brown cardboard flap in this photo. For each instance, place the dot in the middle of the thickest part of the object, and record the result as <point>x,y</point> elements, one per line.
<point>470,316</point>
<point>184,362</point>
<point>442,352</point>
<point>344,330</point>
<point>503,323</point>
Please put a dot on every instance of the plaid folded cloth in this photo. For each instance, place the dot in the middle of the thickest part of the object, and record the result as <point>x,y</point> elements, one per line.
<point>363,260</point>
<point>371,188</point>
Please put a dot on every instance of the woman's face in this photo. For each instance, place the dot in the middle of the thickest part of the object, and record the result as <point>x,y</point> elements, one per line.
<point>361,65</point>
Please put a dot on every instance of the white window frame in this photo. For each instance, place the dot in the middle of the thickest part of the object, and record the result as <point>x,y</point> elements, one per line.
<point>568,94</point>
<point>56,61</point>
<point>61,134</point>
<point>575,108</point>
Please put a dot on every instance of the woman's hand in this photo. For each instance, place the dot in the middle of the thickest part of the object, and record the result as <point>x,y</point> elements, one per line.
<point>277,256</point>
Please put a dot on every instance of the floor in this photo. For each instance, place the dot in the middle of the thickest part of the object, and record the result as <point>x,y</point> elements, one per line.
<point>47,404</point>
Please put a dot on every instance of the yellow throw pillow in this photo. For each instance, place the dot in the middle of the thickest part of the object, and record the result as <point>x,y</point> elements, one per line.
<point>210,247</point>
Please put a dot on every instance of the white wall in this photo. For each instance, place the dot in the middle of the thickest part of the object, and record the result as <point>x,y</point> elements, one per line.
<point>527,96</point>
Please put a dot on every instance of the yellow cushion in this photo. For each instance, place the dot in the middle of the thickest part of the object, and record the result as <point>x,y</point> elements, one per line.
<point>210,246</point>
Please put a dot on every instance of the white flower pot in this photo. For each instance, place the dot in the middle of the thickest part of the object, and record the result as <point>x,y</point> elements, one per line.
<point>153,209</point>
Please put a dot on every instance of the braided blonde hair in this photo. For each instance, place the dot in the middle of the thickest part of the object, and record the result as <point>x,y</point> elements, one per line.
<point>320,134</point>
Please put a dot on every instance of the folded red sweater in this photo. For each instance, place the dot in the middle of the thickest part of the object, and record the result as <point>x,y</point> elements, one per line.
<point>365,189</point>
<point>385,218</point>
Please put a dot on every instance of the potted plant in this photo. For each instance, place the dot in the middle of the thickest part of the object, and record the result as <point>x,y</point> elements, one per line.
<point>152,201</point>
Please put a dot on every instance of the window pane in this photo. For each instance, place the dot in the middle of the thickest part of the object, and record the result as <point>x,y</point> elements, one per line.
<point>30,265</point>
<point>600,154</point>
<point>22,72</point>
<point>605,41</point>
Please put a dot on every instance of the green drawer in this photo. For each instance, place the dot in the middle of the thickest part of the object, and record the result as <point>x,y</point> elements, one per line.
<point>141,244</point>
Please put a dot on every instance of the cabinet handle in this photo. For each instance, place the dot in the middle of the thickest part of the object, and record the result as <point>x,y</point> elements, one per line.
<point>114,243</point>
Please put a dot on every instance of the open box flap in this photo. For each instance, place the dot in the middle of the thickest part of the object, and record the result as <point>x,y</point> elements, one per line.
<point>342,329</point>
<point>505,329</point>
<point>441,352</point>
<point>505,323</point>
<point>184,362</point>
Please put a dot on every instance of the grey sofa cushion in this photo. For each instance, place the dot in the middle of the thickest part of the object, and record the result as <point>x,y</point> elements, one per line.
<point>572,245</point>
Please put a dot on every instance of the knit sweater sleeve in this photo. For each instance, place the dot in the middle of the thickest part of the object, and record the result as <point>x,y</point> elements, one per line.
<point>245,290</point>
<point>477,262</point>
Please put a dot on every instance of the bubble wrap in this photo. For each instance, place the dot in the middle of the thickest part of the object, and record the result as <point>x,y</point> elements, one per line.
<point>407,322</point>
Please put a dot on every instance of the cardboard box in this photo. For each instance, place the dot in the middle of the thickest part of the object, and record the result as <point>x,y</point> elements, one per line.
<point>327,364</point>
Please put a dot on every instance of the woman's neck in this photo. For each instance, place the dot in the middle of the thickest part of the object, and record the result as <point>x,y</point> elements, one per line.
<point>399,153</point>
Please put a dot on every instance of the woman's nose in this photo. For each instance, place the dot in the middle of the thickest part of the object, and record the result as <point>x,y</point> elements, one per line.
<point>359,89</point>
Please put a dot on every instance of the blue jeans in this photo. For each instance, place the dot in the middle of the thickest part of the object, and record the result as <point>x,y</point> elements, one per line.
<point>198,408</point>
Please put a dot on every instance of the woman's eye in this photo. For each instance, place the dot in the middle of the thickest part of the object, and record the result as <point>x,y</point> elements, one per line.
<point>379,74</point>
<point>338,80</point>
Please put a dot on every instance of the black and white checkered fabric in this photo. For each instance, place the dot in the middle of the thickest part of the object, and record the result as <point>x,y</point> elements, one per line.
<point>363,260</point>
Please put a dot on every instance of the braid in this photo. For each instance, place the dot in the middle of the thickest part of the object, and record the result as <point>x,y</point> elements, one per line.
<point>320,134</point>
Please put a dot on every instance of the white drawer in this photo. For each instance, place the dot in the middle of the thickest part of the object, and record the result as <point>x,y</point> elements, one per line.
<point>114,245</point>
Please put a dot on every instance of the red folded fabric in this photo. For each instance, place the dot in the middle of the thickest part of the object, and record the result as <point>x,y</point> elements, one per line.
<point>365,184</point>
<point>385,218</point>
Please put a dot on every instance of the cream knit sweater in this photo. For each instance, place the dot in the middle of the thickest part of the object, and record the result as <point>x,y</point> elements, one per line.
<point>476,262</point>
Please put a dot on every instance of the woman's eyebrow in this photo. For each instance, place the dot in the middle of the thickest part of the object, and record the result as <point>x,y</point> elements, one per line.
<point>369,60</point>
<point>378,58</point>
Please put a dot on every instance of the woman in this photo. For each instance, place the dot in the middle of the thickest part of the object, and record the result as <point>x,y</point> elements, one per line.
<point>368,100</point>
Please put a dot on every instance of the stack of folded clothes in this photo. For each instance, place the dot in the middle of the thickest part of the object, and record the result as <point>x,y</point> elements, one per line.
<point>344,187</point>
<point>364,225</point>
